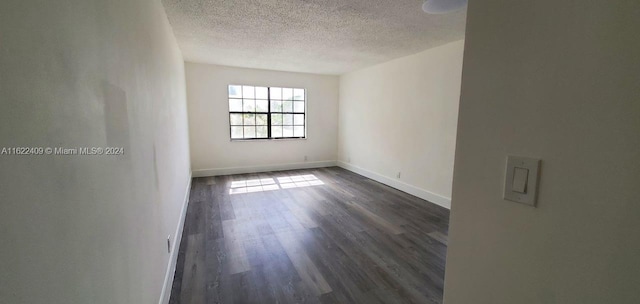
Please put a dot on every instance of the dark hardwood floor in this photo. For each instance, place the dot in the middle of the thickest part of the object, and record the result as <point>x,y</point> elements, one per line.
<point>309,236</point>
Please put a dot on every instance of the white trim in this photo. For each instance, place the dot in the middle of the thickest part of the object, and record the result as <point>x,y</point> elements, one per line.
<point>413,190</point>
<point>264,168</point>
<point>165,295</point>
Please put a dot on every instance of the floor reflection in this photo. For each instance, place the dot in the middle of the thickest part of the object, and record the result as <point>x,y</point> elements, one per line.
<point>270,184</point>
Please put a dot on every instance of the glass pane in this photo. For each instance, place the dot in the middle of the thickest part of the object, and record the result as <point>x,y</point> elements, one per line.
<point>235,105</point>
<point>235,119</point>
<point>298,119</point>
<point>287,106</point>
<point>287,119</point>
<point>261,93</point>
<point>236,132</point>
<point>262,106</point>
<point>276,131</point>
<point>287,131</point>
<point>276,119</point>
<point>249,132</point>
<point>248,92</point>
<point>276,93</point>
<point>249,105</point>
<point>235,91</point>
<point>287,94</point>
<point>249,119</point>
<point>261,119</point>
<point>261,132</point>
<point>276,106</point>
<point>298,131</point>
<point>298,106</point>
<point>298,94</point>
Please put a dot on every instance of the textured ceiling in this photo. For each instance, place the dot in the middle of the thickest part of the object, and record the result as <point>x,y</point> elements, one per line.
<point>312,36</point>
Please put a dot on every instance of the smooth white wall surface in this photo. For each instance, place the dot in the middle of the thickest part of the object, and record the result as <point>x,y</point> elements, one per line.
<point>212,151</point>
<point>556,80</point>
<point>400,116</point>
<point>89,229</point>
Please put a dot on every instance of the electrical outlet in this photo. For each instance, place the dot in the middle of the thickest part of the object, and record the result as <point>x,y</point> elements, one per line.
<point>305,158</point>
<point>169,244</point>
<point>398,175</point>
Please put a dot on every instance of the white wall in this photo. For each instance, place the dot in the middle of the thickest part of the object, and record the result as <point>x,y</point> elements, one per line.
<point>89,229</point>
<point>557,80</point>
<point>212,151</point>
<point>400,116</point>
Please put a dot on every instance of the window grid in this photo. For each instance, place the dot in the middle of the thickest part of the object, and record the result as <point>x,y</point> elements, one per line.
<point>266,112</point>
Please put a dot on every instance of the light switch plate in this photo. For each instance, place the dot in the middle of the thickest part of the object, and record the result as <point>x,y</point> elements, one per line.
<point>515,164</point>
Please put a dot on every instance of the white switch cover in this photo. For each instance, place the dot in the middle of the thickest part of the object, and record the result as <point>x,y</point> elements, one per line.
<point>521,180</point>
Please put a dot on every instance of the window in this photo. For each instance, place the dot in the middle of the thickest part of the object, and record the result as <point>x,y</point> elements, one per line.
<point>266,112</point>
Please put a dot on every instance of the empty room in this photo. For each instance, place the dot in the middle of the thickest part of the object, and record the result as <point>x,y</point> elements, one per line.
<point>307,151</point>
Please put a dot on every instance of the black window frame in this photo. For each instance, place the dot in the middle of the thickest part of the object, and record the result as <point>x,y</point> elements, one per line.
<point>268,113</point>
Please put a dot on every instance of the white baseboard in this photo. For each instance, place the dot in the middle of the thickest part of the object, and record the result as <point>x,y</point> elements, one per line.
<point>413,190</point>
<point>265,168</point>
<point>165,295</point>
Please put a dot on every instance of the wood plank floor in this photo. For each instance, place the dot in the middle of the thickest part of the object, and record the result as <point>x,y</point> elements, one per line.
<point>309,236</point>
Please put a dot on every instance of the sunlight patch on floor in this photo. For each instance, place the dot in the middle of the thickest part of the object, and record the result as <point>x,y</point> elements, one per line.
<point>270,184</point>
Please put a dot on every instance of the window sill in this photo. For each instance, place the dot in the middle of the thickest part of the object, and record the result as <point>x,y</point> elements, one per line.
<point>267,139</point>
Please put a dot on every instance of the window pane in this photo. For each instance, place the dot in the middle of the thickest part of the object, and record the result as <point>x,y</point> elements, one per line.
<point>276,119</point>
<point>281,102</point>
<point>262,106</point>
<point>261,119</point>
<point>261,132</point>
<point>276,93</point>
<point>235,91</point>
<point>287,131</point>
<point>287,94</point>
<point>236,132</point>
<point>287,119</point>
<point>249,119</point>
<point>235,105</point>
<point>249,132</point>
<point>287,106</point>
<point>249,105</point>
<point>236,119</point>
<point>248,92</point>
<point>276,131</point>
<point>276,106</point>
<point>261,93</point>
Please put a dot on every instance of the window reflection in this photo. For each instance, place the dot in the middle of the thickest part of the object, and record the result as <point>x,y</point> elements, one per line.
<point>270,184</point>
